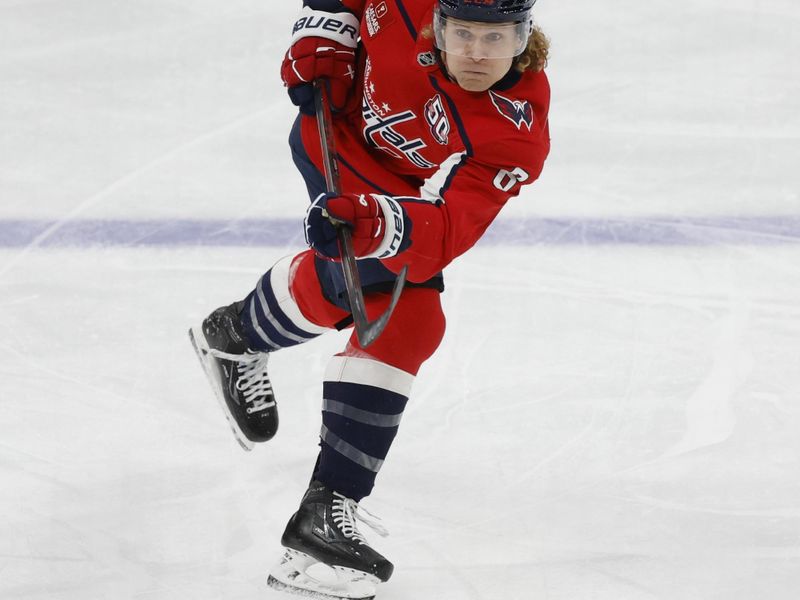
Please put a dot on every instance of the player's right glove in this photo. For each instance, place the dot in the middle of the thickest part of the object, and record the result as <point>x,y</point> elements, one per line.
<point>323,47</point>
<point>379,225</point>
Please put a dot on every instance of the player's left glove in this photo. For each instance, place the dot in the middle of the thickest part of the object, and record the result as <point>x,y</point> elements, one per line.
<point>379,225</point>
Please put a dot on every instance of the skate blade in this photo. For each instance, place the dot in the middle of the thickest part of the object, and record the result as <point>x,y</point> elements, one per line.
<point>302,575</point>
<point>201,349</point>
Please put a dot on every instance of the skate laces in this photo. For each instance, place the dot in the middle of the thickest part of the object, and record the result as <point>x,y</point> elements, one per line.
<point>346,512</point>
<point>253,381</point>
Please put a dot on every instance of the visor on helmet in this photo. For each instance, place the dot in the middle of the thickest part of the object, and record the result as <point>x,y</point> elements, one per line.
<point>478,39</point>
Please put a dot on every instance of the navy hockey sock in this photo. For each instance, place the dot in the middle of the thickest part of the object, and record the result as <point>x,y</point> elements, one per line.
<point>270,316</point>
<point>363,403</point>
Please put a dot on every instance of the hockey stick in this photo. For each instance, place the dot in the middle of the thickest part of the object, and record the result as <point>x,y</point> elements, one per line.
<point>367,331</point>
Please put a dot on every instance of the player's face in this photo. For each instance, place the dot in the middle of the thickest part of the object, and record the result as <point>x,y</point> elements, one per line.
<point>478,55</point>
<point>480,40</point>
<point>476,74</point>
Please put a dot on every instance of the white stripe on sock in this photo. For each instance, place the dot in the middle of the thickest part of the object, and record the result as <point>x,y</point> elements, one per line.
<point>350,369</point>
<point>261,333</point>
<point>272,319</point>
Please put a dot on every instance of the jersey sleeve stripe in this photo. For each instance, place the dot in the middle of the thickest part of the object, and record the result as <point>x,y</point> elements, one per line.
<point>407,20</point>
<point>373,186</point>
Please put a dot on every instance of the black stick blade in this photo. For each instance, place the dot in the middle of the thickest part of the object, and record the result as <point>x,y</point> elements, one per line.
<point>370,331</point>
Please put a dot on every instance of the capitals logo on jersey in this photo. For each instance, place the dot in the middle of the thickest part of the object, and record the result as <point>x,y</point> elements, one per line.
<point>519,112</point>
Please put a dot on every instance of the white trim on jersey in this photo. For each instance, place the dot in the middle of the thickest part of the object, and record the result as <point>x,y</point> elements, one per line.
<point>432,187</point>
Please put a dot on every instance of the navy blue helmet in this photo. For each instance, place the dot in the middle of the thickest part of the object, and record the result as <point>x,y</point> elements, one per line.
<point>490,11</point>
<point>483,28</point>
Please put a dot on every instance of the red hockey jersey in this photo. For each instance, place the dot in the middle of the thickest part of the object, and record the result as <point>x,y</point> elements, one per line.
<point>455,156</point>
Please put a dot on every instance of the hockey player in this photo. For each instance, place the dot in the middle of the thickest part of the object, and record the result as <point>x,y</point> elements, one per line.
<point>440,118</point>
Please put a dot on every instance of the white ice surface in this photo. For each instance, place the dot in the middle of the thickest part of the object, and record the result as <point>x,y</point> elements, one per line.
<point>600,422</point>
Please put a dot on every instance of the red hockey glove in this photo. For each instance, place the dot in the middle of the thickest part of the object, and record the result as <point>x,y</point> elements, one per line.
<point>379,225</point>
<point>323,47</point>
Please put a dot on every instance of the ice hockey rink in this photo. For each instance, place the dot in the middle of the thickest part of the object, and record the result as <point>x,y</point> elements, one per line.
<point>613,413</point>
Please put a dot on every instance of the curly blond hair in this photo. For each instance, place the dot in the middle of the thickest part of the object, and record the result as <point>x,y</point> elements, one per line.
<point>533,58</point>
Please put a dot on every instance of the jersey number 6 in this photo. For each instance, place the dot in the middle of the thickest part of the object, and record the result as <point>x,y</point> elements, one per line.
<point>505,180</point>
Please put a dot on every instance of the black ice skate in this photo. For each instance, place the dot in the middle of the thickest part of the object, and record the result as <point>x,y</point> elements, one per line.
<point>238,376</point>
<point>326,556</point>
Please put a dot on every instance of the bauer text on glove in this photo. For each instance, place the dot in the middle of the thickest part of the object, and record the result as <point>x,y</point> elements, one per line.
<point>323,47</point>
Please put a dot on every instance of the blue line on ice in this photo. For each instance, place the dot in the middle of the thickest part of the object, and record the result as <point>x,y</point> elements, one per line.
<point>667,231</point>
